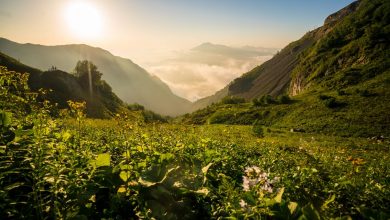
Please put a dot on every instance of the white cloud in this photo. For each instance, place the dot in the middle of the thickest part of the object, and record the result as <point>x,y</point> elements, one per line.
<point>197,74</point>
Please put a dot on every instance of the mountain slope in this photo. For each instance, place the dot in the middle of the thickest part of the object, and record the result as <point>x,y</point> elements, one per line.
<point>103,103</point>
<point>128,80</point>
<point>339,79</point>
<point>274,76</point>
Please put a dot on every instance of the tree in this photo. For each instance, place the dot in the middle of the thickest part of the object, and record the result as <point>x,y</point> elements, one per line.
<point>87,72</point>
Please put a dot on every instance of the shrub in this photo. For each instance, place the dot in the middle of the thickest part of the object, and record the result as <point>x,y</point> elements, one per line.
<point>256,102</point>
<point>232,100</point>
<point>331,103</point>
<point>324,97</point>
<point>220,117</point>
<point>264,100</point>
<point>284,99</point>
<point>268,99</point>
<point>150,116</point>
<point>135,107</point>
<point>258,129</point>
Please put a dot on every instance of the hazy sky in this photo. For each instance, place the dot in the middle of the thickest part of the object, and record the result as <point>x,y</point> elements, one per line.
<point>147,31</point>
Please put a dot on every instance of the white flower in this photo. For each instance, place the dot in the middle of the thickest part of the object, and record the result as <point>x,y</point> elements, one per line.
<point>243,204</point>
<point>254,176</point>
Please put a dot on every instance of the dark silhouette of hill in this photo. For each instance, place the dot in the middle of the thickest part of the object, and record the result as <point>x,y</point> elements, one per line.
<point>101,103</point>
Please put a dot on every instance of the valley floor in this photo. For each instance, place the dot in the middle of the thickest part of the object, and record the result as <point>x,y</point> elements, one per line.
<point>200,171</point>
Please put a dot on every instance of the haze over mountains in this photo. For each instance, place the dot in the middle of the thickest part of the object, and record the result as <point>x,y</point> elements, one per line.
<point>192,74</point>
<point>208,67</point>
<point>129,81</point>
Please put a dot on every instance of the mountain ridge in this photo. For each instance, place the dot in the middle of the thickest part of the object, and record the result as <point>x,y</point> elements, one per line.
<point>274,76</point>
<point>129,81</point>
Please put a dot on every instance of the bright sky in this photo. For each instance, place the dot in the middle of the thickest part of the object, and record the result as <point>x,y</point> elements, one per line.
<point>158,34</point>
<point>138,28</point>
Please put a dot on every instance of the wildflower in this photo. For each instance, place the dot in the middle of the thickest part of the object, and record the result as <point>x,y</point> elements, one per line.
<point>244,206</point>
<point>254,176</point>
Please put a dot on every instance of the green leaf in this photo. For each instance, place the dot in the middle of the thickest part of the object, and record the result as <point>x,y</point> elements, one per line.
<point>292,206</point>
<point>66,136</point>
<point>328,201</point>
<point>278,197</point>
<point>3,149</point>
<point>127,154</point>
<point>13,186</point>
<point>121,189</point>
<point>102,160</point>
<point>124,175</point>
<point>5,118</point>
<point>166,157</point>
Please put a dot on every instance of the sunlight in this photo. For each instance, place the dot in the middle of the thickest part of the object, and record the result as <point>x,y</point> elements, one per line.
<point>84,20</point>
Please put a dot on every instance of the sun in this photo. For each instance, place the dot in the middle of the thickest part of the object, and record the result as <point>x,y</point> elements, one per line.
<point>84,20</point>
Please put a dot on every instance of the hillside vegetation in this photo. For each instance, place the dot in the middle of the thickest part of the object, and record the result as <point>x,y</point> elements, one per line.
<point>75,168</point>
<point>299,152</point>
<point>339,83</point>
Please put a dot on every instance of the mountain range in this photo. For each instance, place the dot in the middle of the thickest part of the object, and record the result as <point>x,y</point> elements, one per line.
<point>129,81</point>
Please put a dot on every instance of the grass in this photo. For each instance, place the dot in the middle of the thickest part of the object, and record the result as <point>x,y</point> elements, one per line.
<point>72,167</point>
<point>353,113</point>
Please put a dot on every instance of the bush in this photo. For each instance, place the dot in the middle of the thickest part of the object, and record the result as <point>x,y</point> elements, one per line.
<point>232,100</point>
<point>324,97</point>
<point>220,117</point>
<point>268,100</point>
<point>135,107</point>
<point>331,103</point>
<point>264,100</point>
<point>150,116</point>
<point>284,99</point>
<point>256,102</point>
<point>258,129</point>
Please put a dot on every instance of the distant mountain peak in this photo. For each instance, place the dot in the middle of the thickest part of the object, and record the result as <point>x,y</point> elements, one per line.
<point>209,46</point>
<point>239,52</point>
